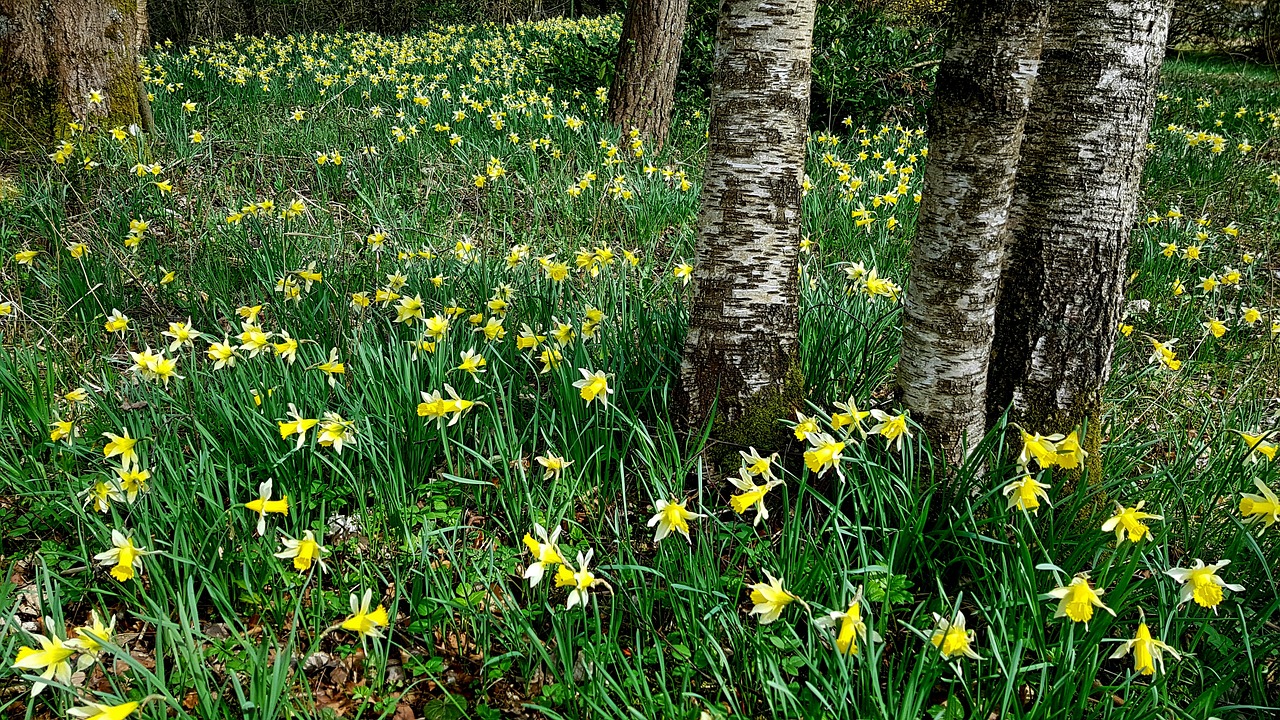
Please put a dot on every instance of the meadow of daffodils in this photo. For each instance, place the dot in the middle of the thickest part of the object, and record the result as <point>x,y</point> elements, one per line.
<point>347,393</point>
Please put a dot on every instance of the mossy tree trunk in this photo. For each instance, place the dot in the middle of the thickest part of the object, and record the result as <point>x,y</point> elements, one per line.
<point>1062,288</point>
<point>54,56</point>
<point>742,344</point>
<point>644,87</point>
<point>979,107</point>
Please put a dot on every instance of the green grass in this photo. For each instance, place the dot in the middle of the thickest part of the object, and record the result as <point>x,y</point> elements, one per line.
<point>430,518</point>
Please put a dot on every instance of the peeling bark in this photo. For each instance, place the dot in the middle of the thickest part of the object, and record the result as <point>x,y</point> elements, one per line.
<point>53,55</point>
<point>644,87</point>
<point>743,336</point>
<point>976,124</point>
<point>1063,282</point>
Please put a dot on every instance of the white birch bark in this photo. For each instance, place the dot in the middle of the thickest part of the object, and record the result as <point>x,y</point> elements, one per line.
<point>976,124</point>
<point>1073,211</point>
<point>743,323</point>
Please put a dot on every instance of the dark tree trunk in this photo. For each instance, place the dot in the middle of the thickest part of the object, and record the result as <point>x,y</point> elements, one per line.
<point>644,86</point>
<point>53,55</point>
<point>979,108</point>
<point>1271,31</point>
<point>742,341</point>
<point>1082,158</point>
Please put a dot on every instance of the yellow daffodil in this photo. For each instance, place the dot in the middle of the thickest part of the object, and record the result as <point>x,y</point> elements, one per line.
<point>117,322</point>
<point>594,385</point>
<point>101,711</point>
<point>296,425</point>
<point>769,599</point>
<point>952,639</point>
<point>52,659</point>
<point>804,425</point>
<point>757,466</point>
<point>552,465</point>
<point>1026,494</point>
<point>124,558</point>
<point>263,504</point>
<point>1258,445</point>
<point>891,427</point>
<point>303,552</point>
<point>132,482</point>
<point>852,626</point>
<point>1129,520</point>
<point>364,622</point>
<point>1147,651</point>
<point>332,367</point>
<point>671,515</point>
<point>1042,448</point>
<point>1202,583</point>
<point>1077,600</point>
<point>579,581</point>
<point>545,553</point>
<point>824,455</point>
<point>336,432</point>
<point>1262,509</point>
<point>121,446</point>
<point>752,495</point>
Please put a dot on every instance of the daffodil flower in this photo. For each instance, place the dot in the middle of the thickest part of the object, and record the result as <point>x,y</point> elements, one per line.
<point>124,558</point>
<point>332,367</point>
<point>752,495</point>
<point>891,427</point>
<point>769,599</point>
<point>52,659</point>
<point>362,621</point>
<point>1077,600</point>
<point>824,455</point>
<point>545,553</point>
<point>101,711</point>
<point>297,425</point>
<point>804,425</point>
<point>757,465</point>
<point>671,515</point>
<point>1043,449</point>
<point>336,432</point>
<point>91,636</point>
<point>1202,583</point>
<point>1259,446</point>
<point>132,481</point>
<point>121,446</point>
<point>852,626</point>
<point>553,465</point>
<point>303,552</point>
<point>1129,520</point>
<point>952,639</point>
<point>593,386</point>
<point>579,581</point>
<point>263,504</point>
<point>100,495</point>
<point>1147,651</point>
<point>1026,493</point>
<point>1262,509</point>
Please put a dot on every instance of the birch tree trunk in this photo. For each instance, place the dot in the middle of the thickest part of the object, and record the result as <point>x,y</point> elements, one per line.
<point>976,124</point>
<point>740,353</point>
<point>1082,159</point>
<point>644,87</point>
<point>53,55</point>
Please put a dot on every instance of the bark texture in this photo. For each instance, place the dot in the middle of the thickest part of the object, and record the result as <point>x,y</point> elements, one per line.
<point>742,340</point>
<point>1063,283</point>
<point>644,87</point>
<point>980,104</point>
<point>53,55</point>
